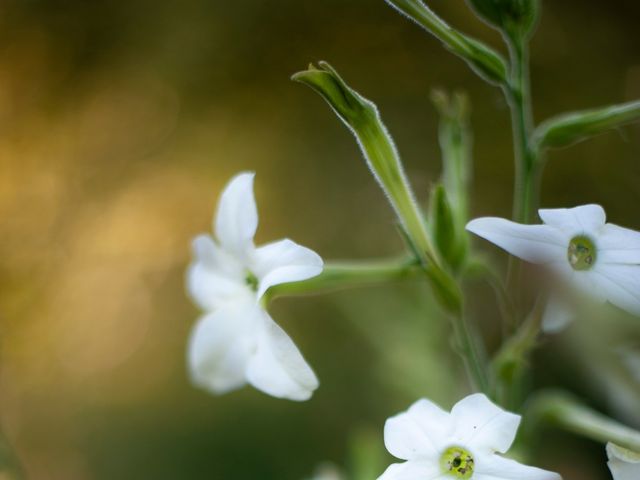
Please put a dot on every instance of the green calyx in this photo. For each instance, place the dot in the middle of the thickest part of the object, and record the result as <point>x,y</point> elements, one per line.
<point>514,17</point>
<point>581,253</point>
<point>457,462</point>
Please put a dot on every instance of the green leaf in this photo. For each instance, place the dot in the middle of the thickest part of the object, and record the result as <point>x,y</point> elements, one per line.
<point>574,127</point>
<point>485,61</point>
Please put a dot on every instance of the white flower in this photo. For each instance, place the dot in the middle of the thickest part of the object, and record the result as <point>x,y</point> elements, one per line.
<point>463,444</point>
<point>624,464</point>
<point>600,259</point>
<point>236,341</point>
<point>326,471</point>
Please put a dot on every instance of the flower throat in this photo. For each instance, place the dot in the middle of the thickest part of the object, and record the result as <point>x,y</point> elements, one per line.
<point>581,253</point>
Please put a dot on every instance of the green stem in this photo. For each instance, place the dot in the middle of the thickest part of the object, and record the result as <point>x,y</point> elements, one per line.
<point>527,167</point>
<point>566,412</point>
<point>468,349</point>
<point>482,59</point>
<point>480,269</point>
<point>343,275</point>
<point>510,361</point>
<point>519,95</point>
<point>385,163</point>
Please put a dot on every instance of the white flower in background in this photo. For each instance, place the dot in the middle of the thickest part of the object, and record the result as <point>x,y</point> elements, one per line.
<point>600,259</point>
<point>326,471</point>
<point>236,341</point>
<point>624,464</point>
<point>463,444</point>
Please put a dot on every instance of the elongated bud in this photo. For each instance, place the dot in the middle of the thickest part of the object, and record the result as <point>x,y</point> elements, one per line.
<point>516,18</point>
<point>573,127</point>
<point>449,237</point>
<point>362,118</point>
<point>455,143</point>
<point>352,108</point>
<point>485,61</point>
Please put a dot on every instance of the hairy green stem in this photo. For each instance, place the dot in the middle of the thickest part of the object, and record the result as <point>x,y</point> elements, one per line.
<point>519,96</point>
<point>482,59</point>
<point>564,411</point>
<point>379,150</point>
<point>478,268</point>
<point>527,166</point>
<point>343,275</point>
<point>512,357</point>
<point>467,345</point>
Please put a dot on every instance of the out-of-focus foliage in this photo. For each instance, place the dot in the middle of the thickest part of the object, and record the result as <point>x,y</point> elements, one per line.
<point>121,122</point>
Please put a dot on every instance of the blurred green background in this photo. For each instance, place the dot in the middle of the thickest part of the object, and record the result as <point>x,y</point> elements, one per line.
<point>120,122</point>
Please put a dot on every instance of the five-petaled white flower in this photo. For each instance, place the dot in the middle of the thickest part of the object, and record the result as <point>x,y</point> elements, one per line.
<point>463,444</point>
<point>236,341</point>
<point>624,464</point>
<point>599,259</point>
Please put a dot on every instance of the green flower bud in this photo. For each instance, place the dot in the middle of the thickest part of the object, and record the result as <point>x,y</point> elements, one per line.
<point>449,236</point>
<point>455,143</point>
<point>349,105</point>
<point>381,155</point>
<point>513,17</point>
<point>573,127</point>
<point>362,118</point>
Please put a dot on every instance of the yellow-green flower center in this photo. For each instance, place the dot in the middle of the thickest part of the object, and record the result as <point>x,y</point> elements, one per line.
<point>581,253</point>
<point>252,281</point>
<point>457,462</point>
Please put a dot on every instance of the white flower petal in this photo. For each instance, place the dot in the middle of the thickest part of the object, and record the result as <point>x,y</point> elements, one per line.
<point>419,433</point>
<point>585,219</point>
<point>620,284</point>
<point>557,315</point>
<point>534,243</point>
<point>482,425</point>
<point>209,254</point>
<point>209,290</point>
<point>214,277</point>
<point>618,245</point>
<point>284,261</point>
<point>237,216</point>
<point>495,467</point>
<point>624,464</point>
<point>220,347</point>
<point>278,368</point>
<point>413,470</point>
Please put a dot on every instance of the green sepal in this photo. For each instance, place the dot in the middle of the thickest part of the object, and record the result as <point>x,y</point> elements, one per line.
<point>449,237</point>
<point>516,18</point>
<point>482,59</point>
<point>349,105</point>
<point>574,127</point>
